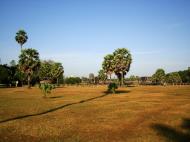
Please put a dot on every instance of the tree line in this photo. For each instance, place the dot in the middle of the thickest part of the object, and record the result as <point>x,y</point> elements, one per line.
<point>31,70</point>
<point>179,77</point>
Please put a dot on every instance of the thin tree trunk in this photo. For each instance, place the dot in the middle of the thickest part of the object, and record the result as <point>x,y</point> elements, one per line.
<point>57,81</point>
<point>28,81</point>
<point>121,78</point>
<point>21,47</point>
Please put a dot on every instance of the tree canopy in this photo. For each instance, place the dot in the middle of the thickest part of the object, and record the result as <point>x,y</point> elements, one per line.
<point>50,70</point>
<point>158,77</point>
<point>29,62</point>
<point>119,63</point>
<point>21,37</point>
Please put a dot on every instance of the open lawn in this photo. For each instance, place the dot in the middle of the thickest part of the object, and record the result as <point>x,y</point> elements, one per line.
<point>73,114</point>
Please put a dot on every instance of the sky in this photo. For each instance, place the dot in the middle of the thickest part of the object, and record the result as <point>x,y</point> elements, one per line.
<point>79,33</point>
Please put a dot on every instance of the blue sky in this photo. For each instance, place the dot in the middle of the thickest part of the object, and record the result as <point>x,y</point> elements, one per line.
<point>79,33</point>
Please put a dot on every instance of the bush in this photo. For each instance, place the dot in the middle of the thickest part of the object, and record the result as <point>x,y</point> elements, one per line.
<point>112,87</point>
<point>73,80</point>
<point>46,88</point>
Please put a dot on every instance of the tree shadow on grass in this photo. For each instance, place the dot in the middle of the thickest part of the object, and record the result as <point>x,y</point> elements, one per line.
<point>52,110</point>
<point>117,92</point>
<point>55,97</point>
<point>173,134</point>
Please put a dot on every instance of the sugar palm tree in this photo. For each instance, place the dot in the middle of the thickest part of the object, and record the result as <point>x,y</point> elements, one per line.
<point>108,65</point>
<point>21,37</point>
<point>29,62</point>
<point>122,62</point>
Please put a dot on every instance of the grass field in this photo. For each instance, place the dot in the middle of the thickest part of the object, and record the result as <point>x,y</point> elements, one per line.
<point>73,114</point>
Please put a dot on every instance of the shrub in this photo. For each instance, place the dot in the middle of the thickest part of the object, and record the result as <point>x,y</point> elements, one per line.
<point>46,88</point>
<point>112,87</point>
<point>73,80</point>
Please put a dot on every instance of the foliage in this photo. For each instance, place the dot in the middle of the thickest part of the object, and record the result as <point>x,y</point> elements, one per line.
<point>102,75</point>
<point>185,76</point>
<point>112,87</point>
<point>158,77</point>
<point>5,74</point>
<point>119,62</point>
<point>122,62</point>
<point>108,65</point>
<point>133,78</point>
<point>46,88</point>
<point>173,78</point>
<point>29,63</point>
<point>21,37</point>
<point>10,74</point>
<point>73,80</point>
<point>50,70</point>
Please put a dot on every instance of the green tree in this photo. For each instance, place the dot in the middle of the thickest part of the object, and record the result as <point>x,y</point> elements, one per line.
<point>108,65</point>
<point>119,62</point>
<point>185,76</point>
<point>50,70</point>
<point>73,80</point>
<point>122,62</point>
<point>5,74</point>
<point>21,37</point>
<point>158,77</point>
<point>102,75</point>
<point>173,78</point>
<point>57,71</point>
<point>29,63</point>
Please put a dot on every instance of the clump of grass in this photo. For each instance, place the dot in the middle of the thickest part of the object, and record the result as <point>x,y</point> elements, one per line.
<point>112,87</point>
<point>46,88</point>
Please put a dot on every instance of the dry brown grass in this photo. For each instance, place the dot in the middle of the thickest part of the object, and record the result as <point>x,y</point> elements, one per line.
<point>137,114</point>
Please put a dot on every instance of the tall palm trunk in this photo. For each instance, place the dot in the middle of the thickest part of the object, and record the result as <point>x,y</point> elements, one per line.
<point>29,78</point>
<point>20,47</point>
<point>121,78</point>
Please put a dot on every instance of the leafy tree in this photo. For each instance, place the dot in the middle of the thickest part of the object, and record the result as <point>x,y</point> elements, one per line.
<point>50,70</point>
<point>19,76</point>
<point>102,75</point>
<point>108,65</point>
<point>158,77</point>
<point>185,76</point>
<point>5,74</point>
<point>57,71</point>
<point>173,78</point>
<point>122,62</point>
<point>133,78</point>
<point>73,80</point>
<point>21,37</point>
<point>119,62</point>
<point>29,63</point>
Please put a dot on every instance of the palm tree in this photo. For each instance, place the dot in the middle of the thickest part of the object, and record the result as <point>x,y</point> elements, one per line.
<point>108,65</point>
<point>102,75</point>
<point>21,37</point>
<point>29,62</point>
<point>56,71</point>
<point>122,62</point>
